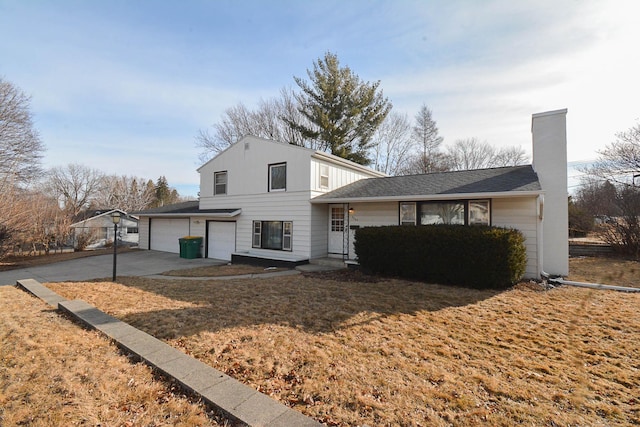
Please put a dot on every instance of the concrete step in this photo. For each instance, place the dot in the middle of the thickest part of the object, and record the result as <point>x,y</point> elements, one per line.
<point>329,262</point>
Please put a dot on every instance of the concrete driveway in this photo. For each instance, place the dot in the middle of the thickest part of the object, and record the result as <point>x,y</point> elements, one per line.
<point>136,263</point>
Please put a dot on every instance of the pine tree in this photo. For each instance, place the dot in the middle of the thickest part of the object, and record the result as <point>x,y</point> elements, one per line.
<point>343,111</point>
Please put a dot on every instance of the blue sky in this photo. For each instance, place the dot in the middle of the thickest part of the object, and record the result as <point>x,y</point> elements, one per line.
<point>124,86</point>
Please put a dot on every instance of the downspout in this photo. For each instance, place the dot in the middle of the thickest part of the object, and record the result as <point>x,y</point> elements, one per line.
<point>558,280</point>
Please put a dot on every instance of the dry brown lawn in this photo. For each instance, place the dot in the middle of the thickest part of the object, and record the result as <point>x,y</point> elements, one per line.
<point>351,350</point>
<point>222,270</point>
<point>605,270</point>
<point>53,373</point>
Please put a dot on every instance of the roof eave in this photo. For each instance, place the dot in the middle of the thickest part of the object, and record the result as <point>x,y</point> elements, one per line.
<point>194,214</point>
<point>419,197</point>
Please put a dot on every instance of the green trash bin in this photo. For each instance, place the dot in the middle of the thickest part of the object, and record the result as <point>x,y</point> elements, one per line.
<point>190,247</point>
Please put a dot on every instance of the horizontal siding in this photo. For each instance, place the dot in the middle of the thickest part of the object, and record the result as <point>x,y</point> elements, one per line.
<point>283,206</point>
<point>521,214</point>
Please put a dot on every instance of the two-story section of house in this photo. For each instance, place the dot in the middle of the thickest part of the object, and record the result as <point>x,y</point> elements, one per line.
<point>255,202</point>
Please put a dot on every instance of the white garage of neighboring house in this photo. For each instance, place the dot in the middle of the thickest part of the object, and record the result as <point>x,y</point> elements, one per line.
<point>162,227</point>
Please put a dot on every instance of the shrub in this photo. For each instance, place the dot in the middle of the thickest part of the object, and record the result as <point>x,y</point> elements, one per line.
<point>84,239</point>
<point>478,256</point>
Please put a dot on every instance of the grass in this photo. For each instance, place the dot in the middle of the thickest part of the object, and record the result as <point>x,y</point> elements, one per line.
<point>222,270</point>
<point>53,373</point>
<point>352,350</point>
<point>605,270</point>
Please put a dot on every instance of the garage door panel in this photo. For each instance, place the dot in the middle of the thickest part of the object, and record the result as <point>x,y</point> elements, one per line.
<point>222,240</point>
<point>165,233</point>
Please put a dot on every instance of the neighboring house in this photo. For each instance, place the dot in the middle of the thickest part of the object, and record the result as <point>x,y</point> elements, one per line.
<point>100,225</point>
<point>267,200</point>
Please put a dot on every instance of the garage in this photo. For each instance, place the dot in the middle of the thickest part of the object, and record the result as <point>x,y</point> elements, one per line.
<point>221,237</point>
<point>165,233</point>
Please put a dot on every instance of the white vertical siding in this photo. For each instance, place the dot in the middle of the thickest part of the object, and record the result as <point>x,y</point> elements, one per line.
<point>521,214</point>
<point>339,176</point>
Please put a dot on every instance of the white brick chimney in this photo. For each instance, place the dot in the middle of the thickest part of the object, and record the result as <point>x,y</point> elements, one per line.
<point>549,131</point>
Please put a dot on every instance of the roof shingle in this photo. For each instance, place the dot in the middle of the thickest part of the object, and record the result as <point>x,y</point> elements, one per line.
<point>495,180</point>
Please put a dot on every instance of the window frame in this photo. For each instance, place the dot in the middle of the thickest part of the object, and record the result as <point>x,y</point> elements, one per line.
<point>324,176</point>
<point>415,212</point>
<point>216,183</point>
<point>286,235</point>
<point>272,167</point>
<point>466,203</point>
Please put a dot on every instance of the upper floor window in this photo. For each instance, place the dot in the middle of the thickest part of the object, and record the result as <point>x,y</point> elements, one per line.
<point>324,176</point>
<point>220,183</point>
<point>278,177</point>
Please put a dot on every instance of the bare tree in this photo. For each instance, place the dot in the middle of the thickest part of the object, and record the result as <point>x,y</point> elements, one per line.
<point>75,185</point>
<point>425,131</point>
<point>20,145</point>
<point>471,153</point>
<point>269,120</point>
<point>434,162</point>
<point>127,193</point>
<point>20,155</point>
<point>619,162</point>
<point>393,144</point>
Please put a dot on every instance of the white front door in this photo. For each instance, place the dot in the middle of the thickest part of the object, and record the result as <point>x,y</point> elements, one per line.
<point>337,226</point>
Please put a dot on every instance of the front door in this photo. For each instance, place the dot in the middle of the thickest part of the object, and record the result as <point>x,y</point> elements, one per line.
<point>337,224</point>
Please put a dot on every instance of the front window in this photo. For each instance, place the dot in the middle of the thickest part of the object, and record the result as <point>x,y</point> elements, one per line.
<point>220,183</point>
<point>273,235</point>
<point>479,212</point>
<point>462,212</point>
<point>278,177</point>
<point>407,214</point>
<point>442,213</point>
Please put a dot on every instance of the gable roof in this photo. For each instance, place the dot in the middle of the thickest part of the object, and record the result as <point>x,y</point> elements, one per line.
<point>189,208</point>
<point>87,215</point>
<point>312,153</point>
<point>440,185</point>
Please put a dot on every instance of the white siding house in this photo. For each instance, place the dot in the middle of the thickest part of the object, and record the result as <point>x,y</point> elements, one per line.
<point>99,226</point>
<point>266,200</point>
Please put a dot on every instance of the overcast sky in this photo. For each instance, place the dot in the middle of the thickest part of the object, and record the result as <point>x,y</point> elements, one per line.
<point>124,86</point>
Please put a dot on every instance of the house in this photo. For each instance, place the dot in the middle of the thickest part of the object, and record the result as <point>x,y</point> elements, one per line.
<point>99,225</point>
<point>265,200</point>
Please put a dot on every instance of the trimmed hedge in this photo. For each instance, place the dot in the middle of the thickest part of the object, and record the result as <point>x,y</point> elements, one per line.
<point>473,256</point>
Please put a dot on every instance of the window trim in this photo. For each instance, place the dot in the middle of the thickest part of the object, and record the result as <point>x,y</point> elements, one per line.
<point>257,225</point>
<point>270,177</point>
<point>215,183</point>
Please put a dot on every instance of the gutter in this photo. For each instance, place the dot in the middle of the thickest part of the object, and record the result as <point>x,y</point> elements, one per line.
<point>558,280</point>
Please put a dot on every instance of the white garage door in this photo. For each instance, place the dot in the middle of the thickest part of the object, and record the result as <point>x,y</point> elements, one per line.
<point>222,240</point>
<point>165,233</point>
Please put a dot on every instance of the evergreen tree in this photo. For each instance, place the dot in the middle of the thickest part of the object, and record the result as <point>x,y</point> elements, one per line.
<point>343,111</point>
